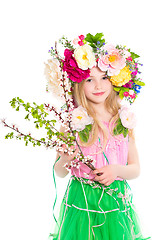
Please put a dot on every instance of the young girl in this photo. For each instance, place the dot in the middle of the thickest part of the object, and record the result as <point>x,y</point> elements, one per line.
<point>98,204</point>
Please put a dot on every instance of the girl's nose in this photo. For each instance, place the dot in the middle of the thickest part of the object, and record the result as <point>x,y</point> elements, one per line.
<point>98,85</point>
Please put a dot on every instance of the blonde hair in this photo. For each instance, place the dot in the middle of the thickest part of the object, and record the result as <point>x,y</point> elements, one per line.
<point>112,105</point>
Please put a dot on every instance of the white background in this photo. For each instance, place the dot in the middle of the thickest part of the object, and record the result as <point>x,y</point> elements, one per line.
<point>28,30</point>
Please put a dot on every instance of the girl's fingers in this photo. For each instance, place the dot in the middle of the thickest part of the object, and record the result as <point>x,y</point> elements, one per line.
<point>99,170</point>
<point>100,178</point>
<point>108,183</point>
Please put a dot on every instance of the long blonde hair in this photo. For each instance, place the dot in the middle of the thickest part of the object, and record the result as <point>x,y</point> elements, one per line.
<point>112,105</point>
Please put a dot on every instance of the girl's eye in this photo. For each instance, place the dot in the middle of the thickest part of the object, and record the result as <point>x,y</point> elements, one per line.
<point>89,80</point>
<point>105,77</point>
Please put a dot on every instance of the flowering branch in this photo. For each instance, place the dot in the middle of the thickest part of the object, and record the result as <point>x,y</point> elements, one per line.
<point>54,137</point>
<point>27,137</point>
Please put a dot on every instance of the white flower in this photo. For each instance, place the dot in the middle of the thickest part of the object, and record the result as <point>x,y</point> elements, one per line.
<point>131,92</point>
<point>85,57</point>
<point>80,119</point>
<point>127,117</point>
<point>53,75</point>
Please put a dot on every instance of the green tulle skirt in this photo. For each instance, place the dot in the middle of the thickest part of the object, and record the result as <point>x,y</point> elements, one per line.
<point>91,211</point>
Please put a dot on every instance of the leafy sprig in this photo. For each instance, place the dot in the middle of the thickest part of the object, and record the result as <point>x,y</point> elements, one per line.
<point>120,129</point>
<point>66,43</point>
<point>96,42</point>
<point>53,138</point>
<point>39,116</point>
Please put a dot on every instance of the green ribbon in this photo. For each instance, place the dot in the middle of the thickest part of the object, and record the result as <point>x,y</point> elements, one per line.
<point>56,191</point>
<point>103,152</point>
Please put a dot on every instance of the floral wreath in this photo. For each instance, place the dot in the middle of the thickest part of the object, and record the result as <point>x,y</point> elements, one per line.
<point>84,52</point>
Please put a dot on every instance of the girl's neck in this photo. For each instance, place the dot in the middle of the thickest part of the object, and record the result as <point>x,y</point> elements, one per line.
<point>106,116</point>
<point>102,113</point>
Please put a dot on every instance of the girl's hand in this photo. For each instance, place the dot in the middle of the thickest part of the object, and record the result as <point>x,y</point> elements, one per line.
<point>108,174</point>
<point>67,158</point>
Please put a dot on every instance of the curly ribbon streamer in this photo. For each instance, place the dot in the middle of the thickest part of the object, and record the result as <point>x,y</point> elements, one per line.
<point>67,191</point>
<point>56,191</point>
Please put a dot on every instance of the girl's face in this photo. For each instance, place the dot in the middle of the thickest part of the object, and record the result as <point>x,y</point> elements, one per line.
<point>97,87</point>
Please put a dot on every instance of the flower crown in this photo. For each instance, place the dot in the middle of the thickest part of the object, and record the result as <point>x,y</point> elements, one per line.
<point>84,52</point>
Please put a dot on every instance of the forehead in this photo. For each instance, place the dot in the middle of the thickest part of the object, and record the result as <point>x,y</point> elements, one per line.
<point>95,71</point>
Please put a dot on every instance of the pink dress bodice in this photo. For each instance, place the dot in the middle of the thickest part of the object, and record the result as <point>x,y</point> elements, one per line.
<point>116,151</point>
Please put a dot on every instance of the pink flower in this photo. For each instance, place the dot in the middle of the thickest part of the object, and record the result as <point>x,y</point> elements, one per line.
<point>112,61</point>
<point>133,96</point>
<point>79,40</point>
<point>129,59</point>
<point>126,94</point>
<point>81,43</point>
<point>74,73</point>
<point>81,37</point>
<point>135,72</point>
<point>129,84</point>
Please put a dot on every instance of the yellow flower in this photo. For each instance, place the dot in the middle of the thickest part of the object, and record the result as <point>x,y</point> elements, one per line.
<point>122,78</point>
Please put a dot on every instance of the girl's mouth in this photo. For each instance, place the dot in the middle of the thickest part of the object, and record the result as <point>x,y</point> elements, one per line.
<point>98,94</point>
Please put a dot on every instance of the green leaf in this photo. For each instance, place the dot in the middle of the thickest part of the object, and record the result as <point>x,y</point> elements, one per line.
<point>94,39</point>
<point>34,113</point>
<point>86,130</point>
<point>43,139</point>
<point>93,45</point>
<point>117,89</point>
<point>120,128</point>
<point>121,94</point>
<point>9,135</point>
<point>38,143</point>
<point>133,55</point>
<point>89,38</point>
<point>20,100</point>
<point>115,131</point>
<point>41,107</point>
<point>27,117</point>
<point>125,131</point>
<point>82,136</point>
<point>41,124</point>
<point>89,127</point>
<point>139,83</point>
<point>98,36</point>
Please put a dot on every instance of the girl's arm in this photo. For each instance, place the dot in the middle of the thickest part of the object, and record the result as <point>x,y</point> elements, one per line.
<point>132,170</point>
<point>59,168</point>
